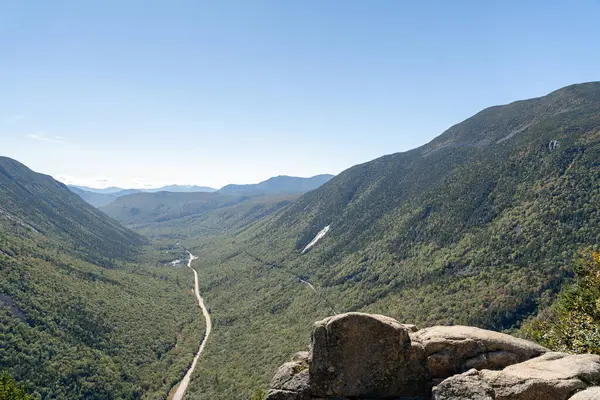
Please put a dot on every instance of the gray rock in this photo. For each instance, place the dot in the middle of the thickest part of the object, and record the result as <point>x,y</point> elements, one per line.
<point>410,327</point>
<point>365,355</point>
<point>592,393</point>
<point>302,356</point>
<point>291,376</point>
<point>451,350</point>
<point>454,388</point>
<point>275,394</point>
<point>552,376</point>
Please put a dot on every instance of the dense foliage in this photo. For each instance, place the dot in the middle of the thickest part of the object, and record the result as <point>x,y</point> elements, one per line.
<point>572,323</point>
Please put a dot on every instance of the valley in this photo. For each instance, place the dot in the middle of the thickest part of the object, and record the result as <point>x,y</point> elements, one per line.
<point>478,227</point>
<point>299,200</point>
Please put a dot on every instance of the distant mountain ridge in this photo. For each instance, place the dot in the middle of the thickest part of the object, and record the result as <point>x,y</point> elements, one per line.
<point>167,188</point>
<point>281,184</point>
<point>138,209</point>
<point>101,197</point>
<point>278,185</point>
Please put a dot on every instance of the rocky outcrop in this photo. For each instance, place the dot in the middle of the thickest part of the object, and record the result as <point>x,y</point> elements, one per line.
<point>365,356</point>
<point>452,350</point>
<point>552,376</point>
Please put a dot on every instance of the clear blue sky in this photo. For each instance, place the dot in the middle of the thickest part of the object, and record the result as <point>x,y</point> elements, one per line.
<point>137,93</point>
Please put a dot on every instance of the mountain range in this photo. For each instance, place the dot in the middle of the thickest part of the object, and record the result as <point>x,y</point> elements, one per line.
<point>279,185</point>
<point>478,227</point>
<point>100,197</point>
<point>168,188</point>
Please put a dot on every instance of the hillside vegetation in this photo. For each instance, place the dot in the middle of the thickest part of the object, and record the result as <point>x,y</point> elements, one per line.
<point>179,212</point>
<point>81,317</point>
<point>477,227</point>
<point>572,323</point>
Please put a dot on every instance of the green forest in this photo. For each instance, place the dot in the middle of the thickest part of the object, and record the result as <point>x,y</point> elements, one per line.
<point>572,322</point>
<point>88,310</point>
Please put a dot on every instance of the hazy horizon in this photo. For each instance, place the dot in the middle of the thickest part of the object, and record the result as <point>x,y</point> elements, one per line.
<point>178,184</point>
<point>198,93</point>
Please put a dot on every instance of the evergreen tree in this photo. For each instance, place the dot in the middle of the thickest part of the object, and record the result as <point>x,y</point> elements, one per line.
<point>11,390</point>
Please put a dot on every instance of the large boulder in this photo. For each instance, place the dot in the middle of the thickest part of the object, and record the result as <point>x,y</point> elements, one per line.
<point>365,355</point>
<point>552,376</point>
<point>452,350</point>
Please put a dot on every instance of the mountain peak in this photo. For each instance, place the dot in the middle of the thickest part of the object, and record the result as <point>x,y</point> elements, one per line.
<point>281,184</point>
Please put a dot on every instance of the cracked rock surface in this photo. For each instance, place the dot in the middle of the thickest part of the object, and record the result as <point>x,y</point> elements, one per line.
<point>451,350</point>
<point>552,376</point>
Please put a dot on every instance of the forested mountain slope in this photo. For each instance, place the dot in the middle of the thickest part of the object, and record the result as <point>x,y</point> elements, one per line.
<point>475,227</point>
<point>80,317</point>
<point>48,208</point>
<point>177,212</point>
<point>497,202</point>
<point>143,208</point>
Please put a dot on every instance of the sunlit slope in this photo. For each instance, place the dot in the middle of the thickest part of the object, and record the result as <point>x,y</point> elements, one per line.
<point>489,212</point>
<point>49,208</point>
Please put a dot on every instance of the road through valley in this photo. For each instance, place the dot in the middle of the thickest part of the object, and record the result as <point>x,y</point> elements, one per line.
<point>183,385</point>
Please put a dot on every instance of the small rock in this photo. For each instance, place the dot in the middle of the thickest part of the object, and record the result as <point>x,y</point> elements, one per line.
<point>410,327</point>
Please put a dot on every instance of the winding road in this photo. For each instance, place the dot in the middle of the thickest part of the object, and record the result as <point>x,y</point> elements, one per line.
<point>183,385</point>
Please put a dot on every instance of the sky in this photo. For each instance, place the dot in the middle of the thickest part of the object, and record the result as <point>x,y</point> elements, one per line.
<point>145,93</point>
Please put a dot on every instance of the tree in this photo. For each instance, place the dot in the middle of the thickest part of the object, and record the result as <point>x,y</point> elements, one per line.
<point>572,323</point>
<point>11,390</point>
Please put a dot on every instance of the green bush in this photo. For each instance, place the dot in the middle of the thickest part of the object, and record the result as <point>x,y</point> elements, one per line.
<point>10,389</point>
<point>572,323</point>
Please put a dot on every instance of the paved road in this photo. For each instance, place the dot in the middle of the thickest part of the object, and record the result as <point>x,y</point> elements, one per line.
<point>183,385</point>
